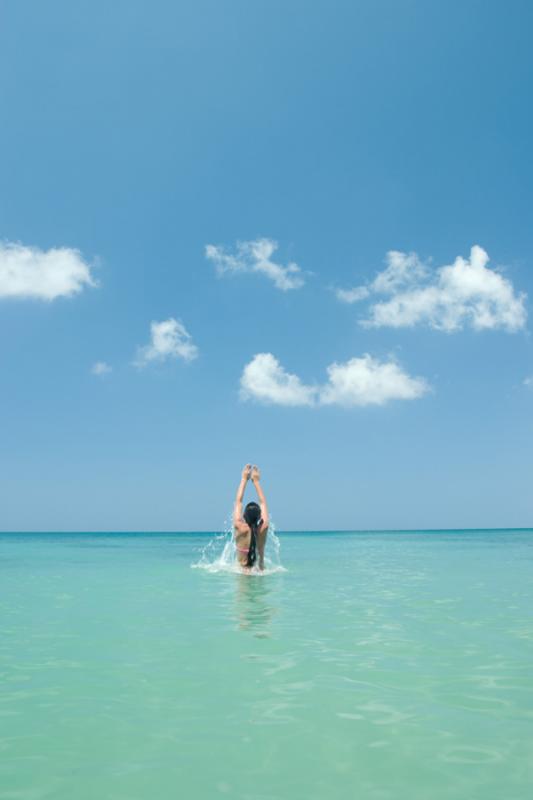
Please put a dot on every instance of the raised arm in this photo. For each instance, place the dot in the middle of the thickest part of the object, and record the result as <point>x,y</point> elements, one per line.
<point>237,509</point>
<point>256,478</point>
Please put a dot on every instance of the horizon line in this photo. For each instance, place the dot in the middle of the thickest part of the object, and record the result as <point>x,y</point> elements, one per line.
<point>282,531</point>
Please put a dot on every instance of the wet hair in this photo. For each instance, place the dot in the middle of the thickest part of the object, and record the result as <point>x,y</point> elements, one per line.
<point>252,517</point>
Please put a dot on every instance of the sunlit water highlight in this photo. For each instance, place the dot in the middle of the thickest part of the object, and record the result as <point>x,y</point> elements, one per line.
<point>379,665</point>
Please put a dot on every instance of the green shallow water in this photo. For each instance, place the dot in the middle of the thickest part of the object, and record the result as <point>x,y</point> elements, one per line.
<point>380,665</point>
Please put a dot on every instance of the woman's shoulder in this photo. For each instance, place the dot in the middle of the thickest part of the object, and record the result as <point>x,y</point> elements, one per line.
<point>241,526</point>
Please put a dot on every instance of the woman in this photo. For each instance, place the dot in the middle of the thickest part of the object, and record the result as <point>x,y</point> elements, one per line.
<point>251,526</point>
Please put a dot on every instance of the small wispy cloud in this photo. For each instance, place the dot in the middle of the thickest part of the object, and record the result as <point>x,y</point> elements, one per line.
<point>466,293</point>
<point>168,339</point>
<point>256,256</point>
<point>352,295</point>
<point>529,382</point>
<point>101,368</point>
<point>28,272</point>
<point>360,381</point>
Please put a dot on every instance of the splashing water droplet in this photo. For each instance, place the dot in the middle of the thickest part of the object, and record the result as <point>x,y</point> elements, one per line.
<point>220,555</point>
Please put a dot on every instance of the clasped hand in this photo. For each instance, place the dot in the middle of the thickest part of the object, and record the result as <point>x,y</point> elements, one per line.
<point>251,473</point>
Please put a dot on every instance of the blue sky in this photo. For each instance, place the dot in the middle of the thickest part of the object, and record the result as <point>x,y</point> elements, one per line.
<point>136,134</point>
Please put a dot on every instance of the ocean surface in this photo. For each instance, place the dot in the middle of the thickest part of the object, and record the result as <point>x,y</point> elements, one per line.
<point>386,666</point>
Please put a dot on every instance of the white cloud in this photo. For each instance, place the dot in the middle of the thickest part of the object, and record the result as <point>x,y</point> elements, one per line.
<point>366,381</point>
<point>255,256</point>
<point>403,269</point>
<point>264,379</point>
<point>352,295</point>
<point>27,272</point>
<point>101,368</point>
<point>358,382</point>
<point>465,293</point>
<point>169,339</point>
<point>529,382</point>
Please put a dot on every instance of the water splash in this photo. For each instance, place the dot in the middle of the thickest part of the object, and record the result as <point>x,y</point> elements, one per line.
<point>220,555</point>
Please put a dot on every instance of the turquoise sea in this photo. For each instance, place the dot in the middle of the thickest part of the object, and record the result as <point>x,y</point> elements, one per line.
<point>386,666</point>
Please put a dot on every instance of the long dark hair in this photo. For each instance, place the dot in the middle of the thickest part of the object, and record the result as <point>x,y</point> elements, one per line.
<point>252,516</point>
